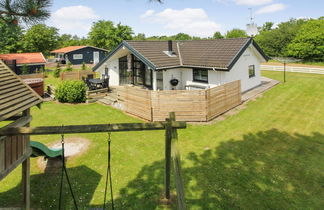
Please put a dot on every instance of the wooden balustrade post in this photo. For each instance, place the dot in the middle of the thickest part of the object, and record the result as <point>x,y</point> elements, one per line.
<point>175,154</point>
<point>167,176</point>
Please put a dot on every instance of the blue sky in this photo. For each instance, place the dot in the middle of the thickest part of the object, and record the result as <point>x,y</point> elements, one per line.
<point>195,17</point>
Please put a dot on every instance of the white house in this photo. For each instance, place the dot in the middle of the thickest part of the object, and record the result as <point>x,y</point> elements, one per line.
<point>195,64</point>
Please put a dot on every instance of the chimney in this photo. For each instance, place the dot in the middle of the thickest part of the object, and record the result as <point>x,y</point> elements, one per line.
<point>170,45</point>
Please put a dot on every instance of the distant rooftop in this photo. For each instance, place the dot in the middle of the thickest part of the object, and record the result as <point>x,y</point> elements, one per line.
<point>73,48</point>
<point>24,58</point>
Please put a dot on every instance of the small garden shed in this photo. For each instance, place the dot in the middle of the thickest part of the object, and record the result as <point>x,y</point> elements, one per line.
<point>16,99</point>
<point>79,54</point>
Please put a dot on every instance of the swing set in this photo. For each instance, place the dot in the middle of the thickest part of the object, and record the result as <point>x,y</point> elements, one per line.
<point>172,153</point>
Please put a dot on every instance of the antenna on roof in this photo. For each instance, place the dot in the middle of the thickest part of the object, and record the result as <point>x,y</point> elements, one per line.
<point>251,28</point>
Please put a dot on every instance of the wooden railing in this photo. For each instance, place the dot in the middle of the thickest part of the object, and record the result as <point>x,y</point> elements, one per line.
<point>188,105</point>
<point>94,95</point>
<point>76,75</point>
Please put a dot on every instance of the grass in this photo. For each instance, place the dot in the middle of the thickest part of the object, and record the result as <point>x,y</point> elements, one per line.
<point>268,156</point>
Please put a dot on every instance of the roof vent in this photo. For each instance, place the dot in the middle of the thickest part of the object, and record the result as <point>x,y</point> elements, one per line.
<point>170,52</point>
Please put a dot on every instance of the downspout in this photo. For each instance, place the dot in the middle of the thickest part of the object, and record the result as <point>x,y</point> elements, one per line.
<point>180,58</point>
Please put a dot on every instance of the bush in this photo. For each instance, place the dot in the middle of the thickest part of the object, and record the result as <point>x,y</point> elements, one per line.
<point>57,71</point>
<point>24,69</point>
<point>68,66</point>
<point>84,67</point>
<point>71,92</point>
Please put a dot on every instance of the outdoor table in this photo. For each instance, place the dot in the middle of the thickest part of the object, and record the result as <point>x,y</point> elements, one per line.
<point>96,82</point>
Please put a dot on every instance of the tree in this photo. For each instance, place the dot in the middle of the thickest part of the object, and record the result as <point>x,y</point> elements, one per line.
<point>83,67</point>
<point>236,33</point>
<point>57,70</point>
<point>309,41</point>
<point>218,35</point>
<point>267,26</point>
<point>29,11</point>
<point>105,35</point>
<point>10,38</point>
<point>181,36</point>
<point>68,66</point>
<point>41,38</point>
<point>275,41</point>
<point>139,36</point>
<point>24,69</point>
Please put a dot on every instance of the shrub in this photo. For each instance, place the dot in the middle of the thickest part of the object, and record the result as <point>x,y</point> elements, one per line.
<point>57,70</point>
<point>68,66</point>
<point>71,92</point>
<point>24,69</point>
<point>84,67</point>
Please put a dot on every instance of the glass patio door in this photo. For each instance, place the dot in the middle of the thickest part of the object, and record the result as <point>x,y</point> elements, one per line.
<point>123,74</point>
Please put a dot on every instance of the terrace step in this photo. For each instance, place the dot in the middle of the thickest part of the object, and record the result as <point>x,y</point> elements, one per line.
<point>105,101</point>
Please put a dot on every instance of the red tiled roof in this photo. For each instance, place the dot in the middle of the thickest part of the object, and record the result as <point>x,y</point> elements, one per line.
<point>24,58</point>
<point>67,49</point>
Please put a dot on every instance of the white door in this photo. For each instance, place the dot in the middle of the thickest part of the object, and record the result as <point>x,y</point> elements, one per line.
<point>96,57</point>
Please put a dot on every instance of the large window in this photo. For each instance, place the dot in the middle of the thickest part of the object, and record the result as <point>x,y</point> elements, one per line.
<point>251,71</point>
<point>200,75</point>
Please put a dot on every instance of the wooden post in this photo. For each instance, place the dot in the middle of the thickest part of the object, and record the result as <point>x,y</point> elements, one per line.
<point>26,183</point>
<point>167,177</point>
<point>26,172</point>
<point>177,164</point>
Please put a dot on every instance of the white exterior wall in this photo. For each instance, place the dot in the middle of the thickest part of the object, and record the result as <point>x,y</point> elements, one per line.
<point>113,71</point>
<point>240,71</point>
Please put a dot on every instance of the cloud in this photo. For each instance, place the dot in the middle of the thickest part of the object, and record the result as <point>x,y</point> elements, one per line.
<point>271,8</point>
<point>246,2</point>
<point>74,19</point>
<point>192,21</point>
<point>148,13</point>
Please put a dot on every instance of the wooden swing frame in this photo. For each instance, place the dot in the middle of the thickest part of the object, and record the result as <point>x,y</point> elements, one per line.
<point>171,143</point>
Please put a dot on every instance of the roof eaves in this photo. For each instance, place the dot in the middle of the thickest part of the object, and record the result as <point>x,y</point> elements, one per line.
<point>193,66</point>
<point>238,54</point>
<point>260,50</point>
<point>107,57</point>
<point>139,55</point>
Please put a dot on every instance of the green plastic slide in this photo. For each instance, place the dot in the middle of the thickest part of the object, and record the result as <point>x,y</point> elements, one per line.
<point>40,149</point>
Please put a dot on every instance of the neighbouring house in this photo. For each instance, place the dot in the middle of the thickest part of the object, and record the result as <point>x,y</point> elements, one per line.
<point>34,62</point>
<point>79,54</point>
<point>184,65</point>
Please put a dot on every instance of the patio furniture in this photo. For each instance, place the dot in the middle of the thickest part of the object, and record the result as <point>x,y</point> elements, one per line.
<point>98,83</point>
<point>90,85</point>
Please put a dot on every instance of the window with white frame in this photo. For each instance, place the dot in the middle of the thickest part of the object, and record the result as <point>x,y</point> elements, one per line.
<point>77,56</point>
<point>200,75</point>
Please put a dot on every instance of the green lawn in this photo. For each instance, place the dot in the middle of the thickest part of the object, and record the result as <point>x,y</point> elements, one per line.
<point>268,156</point>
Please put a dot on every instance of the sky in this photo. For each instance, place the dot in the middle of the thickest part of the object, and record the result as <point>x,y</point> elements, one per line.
<point>195,17</point>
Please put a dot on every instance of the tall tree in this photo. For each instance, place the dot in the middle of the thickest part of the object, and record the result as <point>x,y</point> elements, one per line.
<point>10,38</point>
<point>29,11</point>
<point>309,41</point>
<point>105,35</point>
<point>41,38</point>
<point>275,41</point>
<point>267,26</point>
<point>139,36</point>
<point>181,36</point>
<point>236,33</point>
<point>218,35</point>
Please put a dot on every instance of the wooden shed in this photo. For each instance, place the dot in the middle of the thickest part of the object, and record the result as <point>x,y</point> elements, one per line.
<point>16,99</point>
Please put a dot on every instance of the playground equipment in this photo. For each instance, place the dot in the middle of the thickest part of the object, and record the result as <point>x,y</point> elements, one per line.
<point>39,149</point>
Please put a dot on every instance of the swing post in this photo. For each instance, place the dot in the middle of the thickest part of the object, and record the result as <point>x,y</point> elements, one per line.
<point>172,152</point>
<point>167,175</point>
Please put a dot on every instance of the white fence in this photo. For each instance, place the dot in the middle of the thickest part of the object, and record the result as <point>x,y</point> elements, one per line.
<point>300,69</point>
